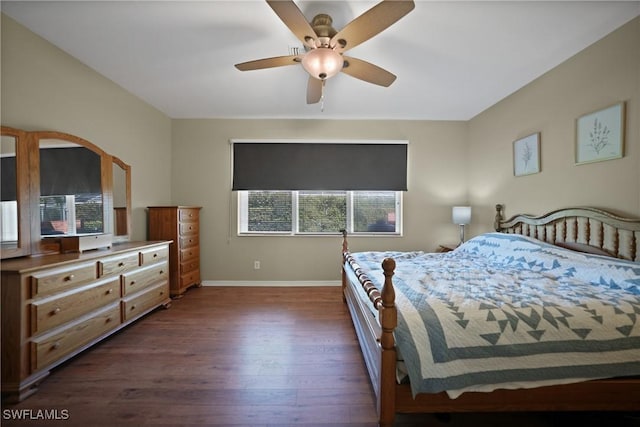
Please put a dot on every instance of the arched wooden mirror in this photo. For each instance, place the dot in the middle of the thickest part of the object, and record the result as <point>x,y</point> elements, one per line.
<point>14,201</point>
<point>70,188</point>
<point>74,193</point>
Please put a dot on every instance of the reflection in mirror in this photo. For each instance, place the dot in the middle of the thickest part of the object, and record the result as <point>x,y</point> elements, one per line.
<point>121,198</point>
<point>70,189</point>
<point>8,193</point>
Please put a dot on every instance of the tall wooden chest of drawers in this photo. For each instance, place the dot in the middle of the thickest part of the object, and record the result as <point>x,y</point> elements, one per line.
<point>55,306</point>
<point>181,224</point>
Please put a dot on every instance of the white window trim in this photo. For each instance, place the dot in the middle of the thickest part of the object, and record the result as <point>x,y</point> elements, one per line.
<point>243,215</point>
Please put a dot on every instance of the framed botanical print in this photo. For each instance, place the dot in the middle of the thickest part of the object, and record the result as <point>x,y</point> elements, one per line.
<point>526,155</point>
<point>600,135</point>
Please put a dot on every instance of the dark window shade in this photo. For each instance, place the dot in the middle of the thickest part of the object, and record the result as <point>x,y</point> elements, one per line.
<point>319,166</point>
<point>69,170</point>
<point>8,176</point>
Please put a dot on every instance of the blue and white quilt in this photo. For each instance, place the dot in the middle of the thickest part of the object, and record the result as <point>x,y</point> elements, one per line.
<point>508,311</point>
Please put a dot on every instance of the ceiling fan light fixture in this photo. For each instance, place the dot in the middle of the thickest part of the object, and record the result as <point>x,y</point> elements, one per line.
<point>322,63</point>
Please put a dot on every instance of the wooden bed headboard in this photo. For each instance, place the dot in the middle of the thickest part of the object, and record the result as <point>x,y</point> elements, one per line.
<point>583,229</point>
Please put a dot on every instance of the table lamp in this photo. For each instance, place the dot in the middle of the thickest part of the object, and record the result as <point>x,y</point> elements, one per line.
<point>461,215</point>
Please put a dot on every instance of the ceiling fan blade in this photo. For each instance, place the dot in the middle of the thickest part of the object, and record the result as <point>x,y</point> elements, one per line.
<point>370,23</point>
<point>314,90</point>
<point>294,19</point>
<point>276,61</point>
<point>368,72</point>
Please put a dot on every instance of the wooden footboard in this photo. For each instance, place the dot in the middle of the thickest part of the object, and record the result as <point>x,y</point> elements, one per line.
<point>375,334</point>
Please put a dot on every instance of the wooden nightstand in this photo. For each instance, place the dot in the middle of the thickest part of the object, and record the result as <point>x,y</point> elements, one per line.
<point>448,247</point>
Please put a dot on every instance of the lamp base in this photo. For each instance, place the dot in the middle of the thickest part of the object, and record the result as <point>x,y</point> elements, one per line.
<point>461,233</point>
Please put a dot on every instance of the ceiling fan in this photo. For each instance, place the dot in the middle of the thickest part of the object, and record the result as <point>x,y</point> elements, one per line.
<point>324,46</point>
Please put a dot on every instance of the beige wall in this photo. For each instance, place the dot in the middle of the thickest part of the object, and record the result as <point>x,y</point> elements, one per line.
<point>202,176</point>
<point>43,88</point>
<point>188,161</point>
<point>603,74</point>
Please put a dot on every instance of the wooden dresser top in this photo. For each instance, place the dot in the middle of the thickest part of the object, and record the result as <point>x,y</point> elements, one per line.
<point>24,264</point>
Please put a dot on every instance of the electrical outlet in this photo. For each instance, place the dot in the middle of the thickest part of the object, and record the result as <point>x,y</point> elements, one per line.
<point>256,265</point>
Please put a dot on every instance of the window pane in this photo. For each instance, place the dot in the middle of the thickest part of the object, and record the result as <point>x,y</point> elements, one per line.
<point>269,211</point>
<point>88,209</point>
<point>71,214</point>
<point>53,215</point>
<point>322,212</point>
<point>9,221</point>
<point>374,211</point>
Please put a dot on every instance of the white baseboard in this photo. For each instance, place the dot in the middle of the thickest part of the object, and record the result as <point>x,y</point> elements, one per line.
<point>271,283</point>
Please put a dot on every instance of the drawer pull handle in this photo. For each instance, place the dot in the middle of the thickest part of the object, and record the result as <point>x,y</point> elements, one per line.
<point>121,264</point>
<point>155,255</point>
<point>110,291</point>
<point>161,271</point>
<point>133,282</point>
<point>56,345</point>
<point>108,319</point>
<point>55,311</point>
<point>69,277</point>
<point>133,307</point>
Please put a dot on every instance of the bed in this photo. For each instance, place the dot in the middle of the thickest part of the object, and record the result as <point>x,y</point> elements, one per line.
<point>499,307</point>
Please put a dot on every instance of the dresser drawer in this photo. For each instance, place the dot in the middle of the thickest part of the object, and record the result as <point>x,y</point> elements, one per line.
<point>118,264</point>
<point>190,265</point>
<point>190,278</point>
<point>140,279</point>
<point>189,228</point>
<point>136,305</point>
<point>189,253</point>
<point>52,312</point>
<point>153,255</point>
<point>50,281</point>
<point>47,350</point>
<point>189,241</point>
<point>185,215</point>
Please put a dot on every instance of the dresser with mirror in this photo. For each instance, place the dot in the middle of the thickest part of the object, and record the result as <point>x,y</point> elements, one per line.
<point>70,274</point>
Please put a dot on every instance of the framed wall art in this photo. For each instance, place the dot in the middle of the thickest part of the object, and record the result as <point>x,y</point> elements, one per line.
<point>600,135</point>
<point>526,155</point>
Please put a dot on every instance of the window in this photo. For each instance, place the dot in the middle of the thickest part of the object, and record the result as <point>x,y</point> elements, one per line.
<point>319,212</point>
<point>71,214</point>
<point>9,221</point>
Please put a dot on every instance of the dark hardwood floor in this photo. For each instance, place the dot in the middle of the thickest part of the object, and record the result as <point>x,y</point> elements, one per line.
<point>259,357</point>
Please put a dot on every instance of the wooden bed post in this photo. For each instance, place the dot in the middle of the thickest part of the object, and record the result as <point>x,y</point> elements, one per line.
<point>345,249</point>
<point>499,218</point>
<point>389,321</point>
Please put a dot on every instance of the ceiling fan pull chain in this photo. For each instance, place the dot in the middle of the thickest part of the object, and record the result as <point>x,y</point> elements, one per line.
<point>322,97</point>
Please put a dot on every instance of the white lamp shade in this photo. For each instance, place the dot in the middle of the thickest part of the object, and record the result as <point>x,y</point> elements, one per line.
<point>461,215</point>
<point>322,63</point>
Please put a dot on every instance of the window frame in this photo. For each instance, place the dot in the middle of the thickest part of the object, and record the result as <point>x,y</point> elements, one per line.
<point>242,218</point>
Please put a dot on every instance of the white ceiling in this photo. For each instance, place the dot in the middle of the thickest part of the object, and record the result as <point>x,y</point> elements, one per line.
<point>453,59</point>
